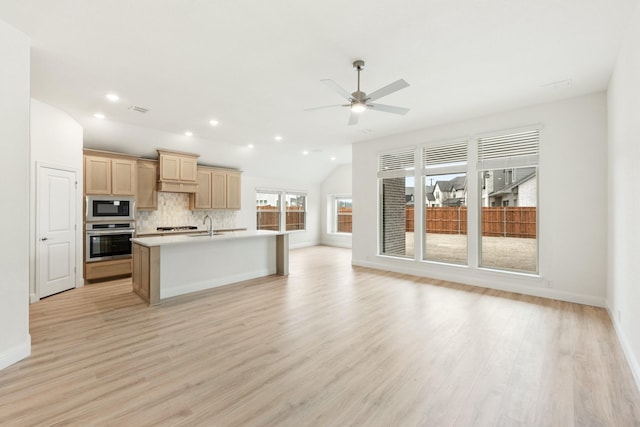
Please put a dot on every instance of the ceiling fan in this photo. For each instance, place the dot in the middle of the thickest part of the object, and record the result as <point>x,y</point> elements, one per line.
<point>359,101</point>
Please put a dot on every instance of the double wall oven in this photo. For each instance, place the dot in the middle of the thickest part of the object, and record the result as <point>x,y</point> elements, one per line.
<point>110,225</point>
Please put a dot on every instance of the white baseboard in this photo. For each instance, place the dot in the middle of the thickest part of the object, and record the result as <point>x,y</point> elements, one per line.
<point>516,284</point>
<point>16,353</point>
<point>33,298</point>
<point>632,360</point>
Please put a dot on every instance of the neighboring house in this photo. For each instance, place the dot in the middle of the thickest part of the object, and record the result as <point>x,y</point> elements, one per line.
<point>409,196</point>
<point>450,193</point>
<point>510,187</point>
<point>430,199</point>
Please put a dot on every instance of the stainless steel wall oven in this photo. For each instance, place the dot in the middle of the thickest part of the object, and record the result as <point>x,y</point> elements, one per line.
<point>106,241</point>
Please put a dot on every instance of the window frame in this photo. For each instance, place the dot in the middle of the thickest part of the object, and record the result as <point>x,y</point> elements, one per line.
<point>512,157</point>
<point>296,194</point>
<point>282,207</point>
<point>279,206</point>
<point>452,160</point>
<point>400,162</point>
<point>334,214</point>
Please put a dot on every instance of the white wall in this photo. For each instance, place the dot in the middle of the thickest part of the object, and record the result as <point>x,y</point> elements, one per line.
<point>338,183</point>
<point>623,296</point>
<point>15,342</point>
<point>572,229</point>
<point>56,141</point>
<point>297,239</point>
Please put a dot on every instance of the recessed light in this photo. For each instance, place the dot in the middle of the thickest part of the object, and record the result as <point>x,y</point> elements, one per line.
<point>277,138</point>
<point>112,97</point>
<point>214,122</point>
<point>305,152</point>
<point>250,146</point>
<point>99,116</point>
<point>333,158</point>
<point>188,133</point>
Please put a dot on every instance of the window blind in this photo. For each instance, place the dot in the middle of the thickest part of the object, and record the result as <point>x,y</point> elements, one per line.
<point>445,156</point>
<point>397,164</point>
<point>509,150</point>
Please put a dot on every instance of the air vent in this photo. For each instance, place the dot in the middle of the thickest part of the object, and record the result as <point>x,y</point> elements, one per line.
<point>138,109</point>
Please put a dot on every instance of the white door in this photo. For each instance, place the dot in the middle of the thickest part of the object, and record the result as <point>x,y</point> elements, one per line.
<point>56,219</point>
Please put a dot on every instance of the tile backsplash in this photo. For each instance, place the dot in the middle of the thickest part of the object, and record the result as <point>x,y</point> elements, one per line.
<point>173,210</point>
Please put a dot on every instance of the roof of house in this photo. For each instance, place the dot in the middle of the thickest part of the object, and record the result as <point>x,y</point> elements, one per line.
<point>509,188</point>
<point>454,201</point>
<point>459,182</point>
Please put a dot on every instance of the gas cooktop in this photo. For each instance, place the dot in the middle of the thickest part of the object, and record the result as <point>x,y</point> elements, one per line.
<point>178,228</point>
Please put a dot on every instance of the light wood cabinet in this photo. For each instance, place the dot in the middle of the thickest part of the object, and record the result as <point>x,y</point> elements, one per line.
<point>202,197</point>
<point>217,189</point>
<point>102,269</point>
<point>178,172</point>
<point>147,195</point>
<point>123,177</point>
<point>146,267</point>
<point>97,175</point>
<point>109,174</point>
<point>234,190</point>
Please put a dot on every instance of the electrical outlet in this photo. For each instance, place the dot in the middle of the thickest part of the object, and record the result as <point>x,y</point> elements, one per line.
<point>549,283</point>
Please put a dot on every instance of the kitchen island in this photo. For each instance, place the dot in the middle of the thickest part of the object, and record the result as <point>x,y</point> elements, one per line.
<point>168,266</point>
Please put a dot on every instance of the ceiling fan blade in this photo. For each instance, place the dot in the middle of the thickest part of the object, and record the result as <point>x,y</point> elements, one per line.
<point>388,89</point>
<point>326,106</point>
<point>337,88</point>
<point>388,109</point>
<point>353,118</point>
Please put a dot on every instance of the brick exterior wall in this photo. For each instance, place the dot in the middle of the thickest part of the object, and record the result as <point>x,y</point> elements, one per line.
<point>393,216</point>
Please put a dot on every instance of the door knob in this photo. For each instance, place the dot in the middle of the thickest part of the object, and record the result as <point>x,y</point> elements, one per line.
<point>44,238</point>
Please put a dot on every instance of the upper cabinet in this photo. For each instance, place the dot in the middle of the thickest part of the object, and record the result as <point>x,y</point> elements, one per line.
<point>234,190</point>
<point>217,189</point>
<point>109,174</point>
<point>147,195</point>
<point>178,172</point>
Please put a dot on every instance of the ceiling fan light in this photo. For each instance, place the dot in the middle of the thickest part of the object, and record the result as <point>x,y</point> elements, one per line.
<point>358,107</point>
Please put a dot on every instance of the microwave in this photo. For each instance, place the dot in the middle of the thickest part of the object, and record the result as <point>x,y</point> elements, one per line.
<point>110,208</point>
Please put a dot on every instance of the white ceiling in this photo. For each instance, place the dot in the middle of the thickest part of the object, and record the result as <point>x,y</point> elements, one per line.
<point>256,65</point>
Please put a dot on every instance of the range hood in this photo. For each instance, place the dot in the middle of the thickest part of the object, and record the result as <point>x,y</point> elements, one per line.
<point>177,187</point>
<point>178,172</point>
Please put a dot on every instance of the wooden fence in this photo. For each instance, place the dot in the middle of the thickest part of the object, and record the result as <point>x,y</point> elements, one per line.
<point>344,220</point>
<point>507,221</point>
<point>268,218</point>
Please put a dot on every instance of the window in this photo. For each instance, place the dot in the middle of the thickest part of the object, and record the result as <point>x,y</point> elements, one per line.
<point>508,170</point>
<point>268,211</point>
<point>396,180</point>
<point>270,204</point>
<point>296,207</point>
<point>445,192</point>
<point>343,215</point>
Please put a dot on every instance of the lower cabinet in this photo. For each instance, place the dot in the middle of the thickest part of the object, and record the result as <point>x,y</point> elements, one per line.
<point>103,269</point>
<point>146,270</point>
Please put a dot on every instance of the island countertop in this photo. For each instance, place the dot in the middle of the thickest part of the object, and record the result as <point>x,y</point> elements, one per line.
<point>168,266</point>
<point>201,238</point>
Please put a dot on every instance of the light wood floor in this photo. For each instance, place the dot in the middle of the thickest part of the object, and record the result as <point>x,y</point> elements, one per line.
<point>331,345</point>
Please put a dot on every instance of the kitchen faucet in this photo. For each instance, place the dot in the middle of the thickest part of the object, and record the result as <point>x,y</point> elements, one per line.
<point>204,221</point>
